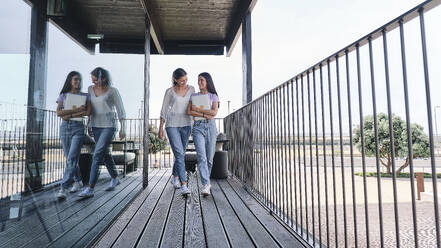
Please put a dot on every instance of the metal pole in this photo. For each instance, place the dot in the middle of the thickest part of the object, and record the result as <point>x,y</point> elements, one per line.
<point>436,125</point>
<point>146,139</point>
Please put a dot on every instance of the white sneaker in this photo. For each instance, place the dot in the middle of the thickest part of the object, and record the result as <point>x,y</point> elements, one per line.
<point>175,182</point>
<point>184,190</point>
<point>87,192</point>
<point>112,184</point>
<point>61,194</point>
<point>206,190</point>
<point>76,186</point>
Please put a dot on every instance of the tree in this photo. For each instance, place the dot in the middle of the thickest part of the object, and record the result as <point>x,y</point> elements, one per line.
<point>420,140</point>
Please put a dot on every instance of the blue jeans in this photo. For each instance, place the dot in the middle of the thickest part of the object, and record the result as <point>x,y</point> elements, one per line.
<point>72,136</point>
<point>204,136</point>
<point>103,138</point>
<point>178,137</point>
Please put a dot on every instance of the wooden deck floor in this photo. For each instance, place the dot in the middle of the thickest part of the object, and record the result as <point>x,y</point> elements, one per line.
<point>161,217</point>
<point>74,222</point>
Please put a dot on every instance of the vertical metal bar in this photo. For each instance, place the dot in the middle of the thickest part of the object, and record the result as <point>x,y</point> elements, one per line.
<point>340,129</point>
<point>430,123</point>
<point>300,163</point>
<point>332,150</point>
<point>409,134</point>
<point>285,185</point>
<point>310,158</point>
<point>273,152</point>
<point>267,154</point>
<point>317,159</point>
<point>363,154</point>
<point>290,214</point>
<point>322,100</point>
<point>354,200</point>
<point>279,153</point>
<point>391,139</point>
<point>374,106</point>
<point>304,163</point>
<point>294,150</point>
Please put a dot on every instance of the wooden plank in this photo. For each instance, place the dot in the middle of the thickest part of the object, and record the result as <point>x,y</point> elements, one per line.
<point>278,231</point>
<point>174,228</point>
<point>130,234</point>
<point>67,224</point>
<point>90,226</point>
<point>214,230</point>
<point>194,235</point>
<point>152,234</point>
<point>113,232</point>
<point>254,228</point>
<point>26,233</point>
<point>50,208</point>
<point>235,231</point>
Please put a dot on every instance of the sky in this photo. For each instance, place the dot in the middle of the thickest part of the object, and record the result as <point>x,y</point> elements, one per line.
<point>287,37</point>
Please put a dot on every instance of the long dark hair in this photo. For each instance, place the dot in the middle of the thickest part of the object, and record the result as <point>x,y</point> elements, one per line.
<point>101,73</point>
<point>210,85</point>
<point>67,87</point>
<point>177,74</point>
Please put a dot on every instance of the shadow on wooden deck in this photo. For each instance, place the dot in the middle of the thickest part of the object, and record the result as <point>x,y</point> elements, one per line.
<point>161,217</point>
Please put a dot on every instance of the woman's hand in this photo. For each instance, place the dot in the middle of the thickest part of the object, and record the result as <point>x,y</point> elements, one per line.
<point>195,108</point>
<point>122,135</point>
<point>209,117</point>
<point>81,108</point>
<point>66,117</point>
<point>161,133</point>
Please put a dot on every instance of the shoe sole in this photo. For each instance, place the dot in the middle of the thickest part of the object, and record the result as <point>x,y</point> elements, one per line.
<point>85,196</point>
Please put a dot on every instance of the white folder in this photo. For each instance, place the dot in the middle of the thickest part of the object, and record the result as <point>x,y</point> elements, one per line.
<point>201,101</point>
<point>74,101</point>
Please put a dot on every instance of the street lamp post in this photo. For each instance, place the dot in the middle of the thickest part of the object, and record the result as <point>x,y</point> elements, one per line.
<point>436,125</point>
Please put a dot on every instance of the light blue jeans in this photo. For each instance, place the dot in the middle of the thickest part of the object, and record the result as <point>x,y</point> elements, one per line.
<point>103,138</point>
<point>178,137</point>
<point>204,136</point>
<point>72,136</point>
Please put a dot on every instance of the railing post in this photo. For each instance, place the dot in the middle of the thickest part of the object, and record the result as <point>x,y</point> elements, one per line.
<point>36,96</point>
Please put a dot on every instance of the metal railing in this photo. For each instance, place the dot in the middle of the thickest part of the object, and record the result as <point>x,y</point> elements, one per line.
<point>165,158</point>
<point>277,147</point>
<point>13,149</point>
<point>46,147</point>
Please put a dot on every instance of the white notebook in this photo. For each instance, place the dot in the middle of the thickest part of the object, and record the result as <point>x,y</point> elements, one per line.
<point>74,101</point>
<point>201,101</point>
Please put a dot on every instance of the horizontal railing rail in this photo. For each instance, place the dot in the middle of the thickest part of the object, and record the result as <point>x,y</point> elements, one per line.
<point>376,91</point>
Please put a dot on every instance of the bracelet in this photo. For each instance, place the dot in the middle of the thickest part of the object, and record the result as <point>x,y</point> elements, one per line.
<point>203,115</point>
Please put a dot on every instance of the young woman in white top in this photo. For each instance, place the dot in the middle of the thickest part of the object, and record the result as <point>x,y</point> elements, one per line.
<point>105,100</point>
<point>72,132</point>
<point>177,125</point>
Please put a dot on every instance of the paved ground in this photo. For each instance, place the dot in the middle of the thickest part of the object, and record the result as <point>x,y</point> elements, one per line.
<point>424,208</point>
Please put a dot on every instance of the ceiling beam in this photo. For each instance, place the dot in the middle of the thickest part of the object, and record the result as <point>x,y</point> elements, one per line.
<point>235,29</point>
<point>155,31</point>
<point>75,29</point>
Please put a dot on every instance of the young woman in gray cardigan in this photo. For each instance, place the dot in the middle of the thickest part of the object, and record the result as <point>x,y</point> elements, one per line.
<point>105,100</point>
<point>177,125</point>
